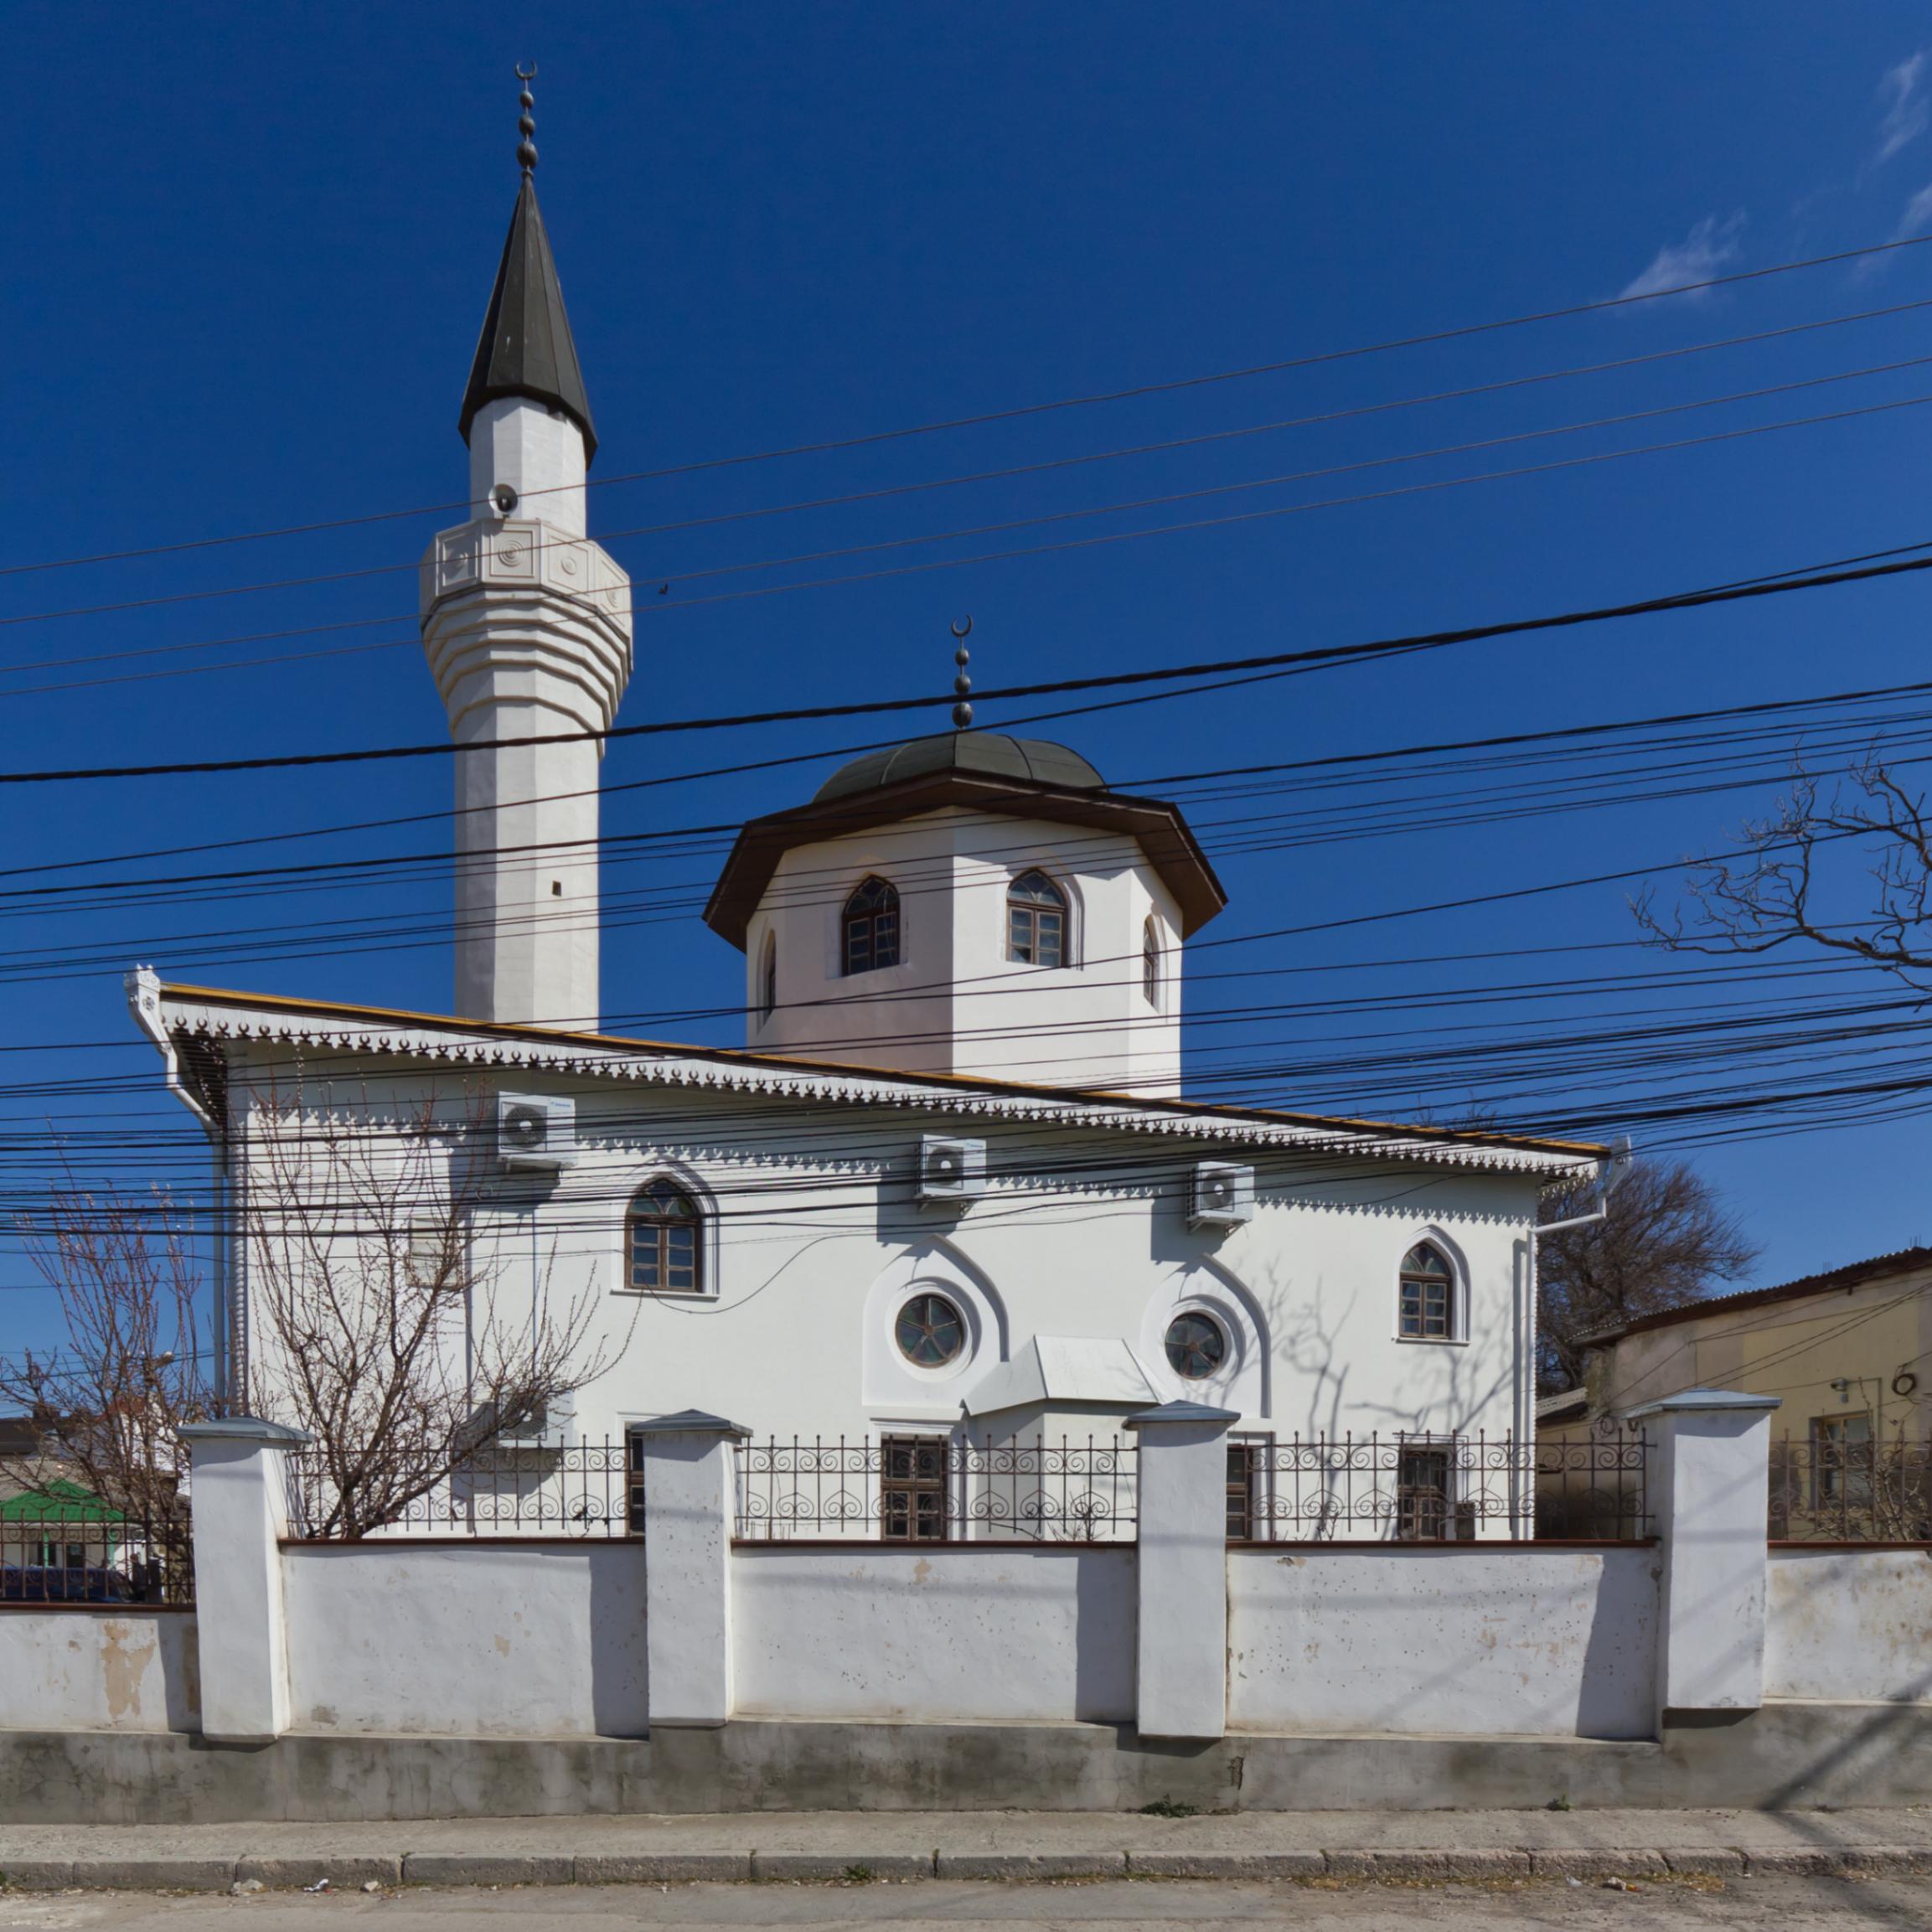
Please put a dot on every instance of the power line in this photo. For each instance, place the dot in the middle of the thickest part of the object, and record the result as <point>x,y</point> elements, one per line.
<point>1318,358</point>
<point>1426,640</point>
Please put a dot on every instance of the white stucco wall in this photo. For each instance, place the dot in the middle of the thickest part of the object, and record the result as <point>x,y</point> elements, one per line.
<point>119,1667</point>
<point>1455,1641</point>
<point>955,1003</point>
<point>814,1239</point>
<point>1852,1624</point>
<point>946,1632</point>
<point>473,1639</point>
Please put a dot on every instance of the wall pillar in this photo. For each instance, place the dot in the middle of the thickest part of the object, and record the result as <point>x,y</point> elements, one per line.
<point>1710,1492</point>
<point>1182,1655</point>
<point>238,1485</point>
<point>690,1508</point>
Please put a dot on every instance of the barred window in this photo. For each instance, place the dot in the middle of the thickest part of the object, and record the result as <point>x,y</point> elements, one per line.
<point>1422,1501</point>
<point>1151,961</point>
<point>666,1248</point>
<point>912,1489</point>
<point>871,927</point>
<point>1427,1295</point>
<point>1036,921</point>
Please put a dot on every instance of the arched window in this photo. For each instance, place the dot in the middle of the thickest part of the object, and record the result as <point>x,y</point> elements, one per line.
<point>666,1241</point>
<point>871,927</point>
<point>769,978</point>
<point>1036,921</point>
<point>1151,961</point>
<point>1427,1295</point>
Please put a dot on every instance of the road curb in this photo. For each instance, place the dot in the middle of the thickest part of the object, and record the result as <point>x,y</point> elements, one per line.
<point>347,1871</point>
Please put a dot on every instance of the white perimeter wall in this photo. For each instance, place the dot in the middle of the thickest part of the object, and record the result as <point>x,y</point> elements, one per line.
<point>121,1669</point>
<point>474,1640</point>
<point>947,1632</point>
<point>1852,1624</point>
<point>1556,1642</point>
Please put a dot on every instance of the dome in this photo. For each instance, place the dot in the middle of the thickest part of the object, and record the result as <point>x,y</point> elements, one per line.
<point>991,753</point>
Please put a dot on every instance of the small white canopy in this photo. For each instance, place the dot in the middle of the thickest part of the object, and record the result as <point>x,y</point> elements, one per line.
<point>1065,1368</point>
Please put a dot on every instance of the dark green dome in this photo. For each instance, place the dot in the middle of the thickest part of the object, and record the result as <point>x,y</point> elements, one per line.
<point>992,754</point>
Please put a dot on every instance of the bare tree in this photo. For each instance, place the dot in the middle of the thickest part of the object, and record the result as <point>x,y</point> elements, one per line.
<point>388,1333</point>
<point>1665,1241</point>
<point>105,1409</point>
<point>1792,880</point>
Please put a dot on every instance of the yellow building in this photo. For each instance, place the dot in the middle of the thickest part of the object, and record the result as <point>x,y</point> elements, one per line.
<point>1849,1354</point>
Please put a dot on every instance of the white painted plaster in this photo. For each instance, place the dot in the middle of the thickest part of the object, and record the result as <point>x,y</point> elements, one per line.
<point>950,1633</point>
<point>1083,1232</point>
<point>690,1492</point>
<point>955,1003</point>
<point>1711,1494</point>
<point>538,453</point>
<point>120,1667</point>
<point>467,1639</point>
<point>1443,1640</point>
<point>1851,1624</point>
<point>527,625</point>
<point>240,1488</point>
<point>1182,1635</point>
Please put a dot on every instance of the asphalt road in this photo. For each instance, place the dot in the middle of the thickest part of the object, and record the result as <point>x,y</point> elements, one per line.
<point>1789,1905</point>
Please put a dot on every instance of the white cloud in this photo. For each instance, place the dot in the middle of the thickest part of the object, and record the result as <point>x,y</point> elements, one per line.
<point>1707,250</point>
<point>1917,213</point>
<point>1907,109</point>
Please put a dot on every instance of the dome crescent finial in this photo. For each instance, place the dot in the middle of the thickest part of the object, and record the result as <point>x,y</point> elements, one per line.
<point>526,127</point>
<point>963,684</point>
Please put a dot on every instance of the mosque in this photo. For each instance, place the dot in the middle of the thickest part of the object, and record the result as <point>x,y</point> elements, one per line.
<point>952,1184</point>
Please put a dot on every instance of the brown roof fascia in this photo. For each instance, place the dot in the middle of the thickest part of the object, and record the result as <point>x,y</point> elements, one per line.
<point>1838,1280</point>
<point>962,1082</point>
<point>1161,831</point>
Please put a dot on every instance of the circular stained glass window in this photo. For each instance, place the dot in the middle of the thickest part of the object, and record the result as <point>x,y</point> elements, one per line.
<point>930,1331</point>
<point>1196,1346</point>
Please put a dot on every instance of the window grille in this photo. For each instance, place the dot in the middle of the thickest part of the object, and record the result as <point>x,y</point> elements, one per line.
<point>666,1248</point>
<point>1151,962</point>
<point>912,1489</point>
<point>1427,1295</point>
<point>871,927</point>
<point>768,978</point>
<point>1036,921</point>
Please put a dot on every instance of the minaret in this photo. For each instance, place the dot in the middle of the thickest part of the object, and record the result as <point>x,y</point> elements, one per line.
<point>527,625</point>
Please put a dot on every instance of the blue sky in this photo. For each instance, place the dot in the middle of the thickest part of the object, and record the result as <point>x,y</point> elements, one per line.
<point>249,249</point>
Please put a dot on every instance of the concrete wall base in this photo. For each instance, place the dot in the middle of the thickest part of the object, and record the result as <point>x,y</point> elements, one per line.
<point>1787,1754</point>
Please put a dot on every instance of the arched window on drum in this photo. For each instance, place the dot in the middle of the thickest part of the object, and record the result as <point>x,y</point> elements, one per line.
<point>870,927</point>
<point>1036,921</point>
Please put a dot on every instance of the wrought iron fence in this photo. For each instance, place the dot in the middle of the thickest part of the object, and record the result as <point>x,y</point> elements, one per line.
<point>1417,1488</point>
<point>938,1489</point>
<point>1837,1486</point>
<point>585,1490</point>
<point>94,1553</point>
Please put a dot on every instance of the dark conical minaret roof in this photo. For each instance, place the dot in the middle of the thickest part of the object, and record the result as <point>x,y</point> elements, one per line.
<point>525,348</point>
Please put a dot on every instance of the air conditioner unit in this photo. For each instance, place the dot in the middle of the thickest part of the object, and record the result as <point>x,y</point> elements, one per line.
<point>951,1169</point>
<point>1222,1194</point>
<point>552,1426</point>
<point>532,1132</point>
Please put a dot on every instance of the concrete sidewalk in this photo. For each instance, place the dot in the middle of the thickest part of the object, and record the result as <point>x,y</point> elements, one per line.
<point>830,1845</point>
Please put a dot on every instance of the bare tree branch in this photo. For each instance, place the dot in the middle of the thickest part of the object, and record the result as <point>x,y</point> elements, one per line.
<point>389,1336</point>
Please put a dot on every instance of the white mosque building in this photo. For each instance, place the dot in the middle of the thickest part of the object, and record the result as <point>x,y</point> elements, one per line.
<point>951,1186</point>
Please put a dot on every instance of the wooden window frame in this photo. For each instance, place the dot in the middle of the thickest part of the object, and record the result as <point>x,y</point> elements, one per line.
<point>661,1227</point>
<point>1037,923</point>
<point>870,934</point>
<point>915,1492</point>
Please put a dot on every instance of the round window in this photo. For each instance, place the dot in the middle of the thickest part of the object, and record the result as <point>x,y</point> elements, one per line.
<point>930,1331</point>
<point>1195,1345</point>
